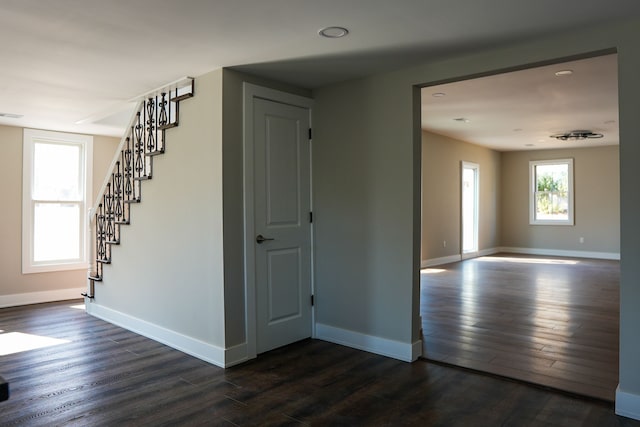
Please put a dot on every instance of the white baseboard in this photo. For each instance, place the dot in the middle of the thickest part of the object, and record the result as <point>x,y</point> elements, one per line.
<point>560,252</point>
<point>439,261</point>
<point>627,404</point>
<point>455,258</point>
<point>40,297</point>
<point>407,352</point>
<point>194,347</point>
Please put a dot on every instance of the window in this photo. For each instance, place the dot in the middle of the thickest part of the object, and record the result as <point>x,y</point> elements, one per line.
<point>551,192</point>
<point>56,185</point>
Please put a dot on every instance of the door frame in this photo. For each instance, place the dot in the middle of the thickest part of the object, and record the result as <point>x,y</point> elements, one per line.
<point>251,92</point>
<point>476,209</point>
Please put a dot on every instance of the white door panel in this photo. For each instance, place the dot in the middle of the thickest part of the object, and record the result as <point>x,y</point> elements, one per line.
<point>282,202</point>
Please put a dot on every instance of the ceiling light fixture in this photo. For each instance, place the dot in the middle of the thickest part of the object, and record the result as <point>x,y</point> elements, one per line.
<point>11,115</point>
<point>438,94</point>
<point>576,135</point>
<point>333,32</point>
<point>461,120</point>
<point>564,73</point>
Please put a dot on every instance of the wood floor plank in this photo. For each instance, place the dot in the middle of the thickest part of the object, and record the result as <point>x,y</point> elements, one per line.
<point>117,378</point>
<point>543,318</point>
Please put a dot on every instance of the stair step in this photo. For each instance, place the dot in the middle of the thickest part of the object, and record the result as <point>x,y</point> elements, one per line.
<point>142,178</point>
<point>132,201</point>
<point>112,242</point>
<point>182,97</point>
<point>103,261</point>
<point>168,126</point>
<point>126,222</point>
<point>95,279</point>
<point>154,153</point>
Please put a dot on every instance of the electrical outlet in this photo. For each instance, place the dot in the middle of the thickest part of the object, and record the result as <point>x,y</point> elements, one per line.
<point>581,240</point>
<point>444,243</point>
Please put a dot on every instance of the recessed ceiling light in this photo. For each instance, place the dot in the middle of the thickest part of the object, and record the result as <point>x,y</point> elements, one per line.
<point>438,94</point>
<point>564,73</point>
<point>461,120</point>
<point>333,32</point>
<point>11,115</point>
<point>529,145</point>
<point>517,130</point>
<point>609,122</point>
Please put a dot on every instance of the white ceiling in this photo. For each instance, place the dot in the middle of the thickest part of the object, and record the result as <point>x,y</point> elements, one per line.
<point>520,110</point>
<point>70,64</point>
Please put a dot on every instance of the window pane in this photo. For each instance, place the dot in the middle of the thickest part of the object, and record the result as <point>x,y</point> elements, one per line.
<point>552,206</point>
<point>56,232</point>
<point>551,192</point>
<point>56,172</point>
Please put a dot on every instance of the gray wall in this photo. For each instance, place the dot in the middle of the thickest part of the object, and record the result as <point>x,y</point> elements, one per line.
<point>504,199</point>
<point>12,281</point>
<point>441,157</point>
<point>168,269</point>
<point>366,139</point>
<point>596,194</point>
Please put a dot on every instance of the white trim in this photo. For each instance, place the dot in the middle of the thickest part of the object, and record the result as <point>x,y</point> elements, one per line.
<point>85,142</point>
<point>532,192</point>
<point>627,404</point>
<point>526,251</point>
<point>426,263</point>
<point>250,92</point>
<point>192,346</point>
<point>40,297</point>
<point>407,352</point>
<point>235,355</point>
<point>439,261</point>
<point>561,252</point>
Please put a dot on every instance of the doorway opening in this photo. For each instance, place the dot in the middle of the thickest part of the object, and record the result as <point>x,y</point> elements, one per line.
<point>469,214</point>
<point>511,297</point>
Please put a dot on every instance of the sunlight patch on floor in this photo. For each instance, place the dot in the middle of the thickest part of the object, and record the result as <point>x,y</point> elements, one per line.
<point>16,342</point>
<point>528,260</point>
<point>78,307</point>
<point>432,270</point>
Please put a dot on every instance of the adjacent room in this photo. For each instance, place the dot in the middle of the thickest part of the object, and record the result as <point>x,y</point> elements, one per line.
<point>520,225</point>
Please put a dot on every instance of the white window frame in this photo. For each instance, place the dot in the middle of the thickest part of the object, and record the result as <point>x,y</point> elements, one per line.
<point>30,138</point>
<point>533,190</point>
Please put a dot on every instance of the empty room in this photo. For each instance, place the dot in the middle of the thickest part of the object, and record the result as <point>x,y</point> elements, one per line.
<point>520,238</point>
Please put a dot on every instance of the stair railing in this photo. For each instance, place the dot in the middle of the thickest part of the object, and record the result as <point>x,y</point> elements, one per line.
<point>156,111</point>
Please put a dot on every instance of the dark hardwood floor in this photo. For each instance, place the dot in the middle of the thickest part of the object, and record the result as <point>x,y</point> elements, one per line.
<point>549,321</point>
<point>106,376</point>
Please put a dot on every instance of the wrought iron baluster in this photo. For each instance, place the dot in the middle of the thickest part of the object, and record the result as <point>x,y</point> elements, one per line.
<point>118,192</point>
<point>109,213</point>
<point>127,155</point>
<point>151,143</point>
<point>101,244</point>
<point>163,119</point>
<point>139,147</point>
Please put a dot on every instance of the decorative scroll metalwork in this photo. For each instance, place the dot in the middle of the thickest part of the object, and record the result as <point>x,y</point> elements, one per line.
<point>162,106</point>
<point>151,125</point>
<point>133,164</point>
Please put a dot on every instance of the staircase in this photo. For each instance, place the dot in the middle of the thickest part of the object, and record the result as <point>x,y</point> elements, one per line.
<point>156,112</point>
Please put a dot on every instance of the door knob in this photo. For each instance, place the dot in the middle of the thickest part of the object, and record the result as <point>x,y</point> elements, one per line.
<point>260,238</point>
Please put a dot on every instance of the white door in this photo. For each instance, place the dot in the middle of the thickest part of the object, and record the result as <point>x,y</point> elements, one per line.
<point>281,223</point>
<point>469,209</point>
